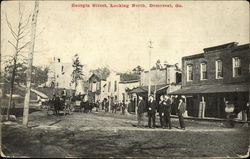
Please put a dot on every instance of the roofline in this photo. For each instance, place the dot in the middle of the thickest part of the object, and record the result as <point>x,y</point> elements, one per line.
<point>131,81</point>
<point>200,55</point>
<point>242,47</point>
<point>220,47</point>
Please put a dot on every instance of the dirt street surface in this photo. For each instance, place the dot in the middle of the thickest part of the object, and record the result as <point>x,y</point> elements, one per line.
<point>100,134</point>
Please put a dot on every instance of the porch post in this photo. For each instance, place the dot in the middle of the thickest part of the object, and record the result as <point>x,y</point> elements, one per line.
<point>200,106</point>
<point>136,105</point>
<point>203,106</point>
<point>218,104</point>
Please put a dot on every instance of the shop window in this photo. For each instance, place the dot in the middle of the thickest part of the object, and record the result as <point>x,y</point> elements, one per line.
<point>219,69</point>
<point>203,71</point>
<point>236,67</point>
<point>189,72</point>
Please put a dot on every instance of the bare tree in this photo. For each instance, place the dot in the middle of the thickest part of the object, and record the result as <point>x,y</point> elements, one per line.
<point>19,44</point>
<point>30,63</point>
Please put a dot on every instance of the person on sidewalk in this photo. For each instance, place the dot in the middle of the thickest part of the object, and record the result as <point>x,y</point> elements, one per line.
<point>229,109</point>
<point>167,111</point>
<point>140,111</point>
<point>98,103</point>
<point>151,111</point>
<point>181,110</point>
<point>123,107</point>
<point>161,110</point>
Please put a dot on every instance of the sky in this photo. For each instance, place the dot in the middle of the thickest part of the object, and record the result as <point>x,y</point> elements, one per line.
<point>119,37</point>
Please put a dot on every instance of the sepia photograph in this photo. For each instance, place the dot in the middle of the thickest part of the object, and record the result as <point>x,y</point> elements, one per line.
<point>125,79</point>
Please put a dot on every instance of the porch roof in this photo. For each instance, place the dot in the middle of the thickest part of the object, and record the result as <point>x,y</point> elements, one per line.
<point>144,89</point>
<point>222,88</point>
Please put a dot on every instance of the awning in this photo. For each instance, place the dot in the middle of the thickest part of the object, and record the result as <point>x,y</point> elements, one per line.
<point>203,89</point>
<point>144,89</point>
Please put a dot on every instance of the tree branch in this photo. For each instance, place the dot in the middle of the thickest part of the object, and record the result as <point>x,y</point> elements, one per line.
<point>25,45</point>
<point>24,26</point>
<point>10,27</point>
<point>12,44</point>
<point>40,32</point>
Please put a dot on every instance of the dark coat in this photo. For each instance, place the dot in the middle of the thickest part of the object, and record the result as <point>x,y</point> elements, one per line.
<point>167,106</point>
<point>85,105</point>
<point>161,107</point>
<point>141,107</point>
<point>57,102</point>
<point>152,106</point>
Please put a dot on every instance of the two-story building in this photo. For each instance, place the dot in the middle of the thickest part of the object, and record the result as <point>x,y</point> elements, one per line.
<point>113,86</point>
<point>96,88</point>
<point>162,76</point>
<point>59,74</point>
<point>162,81</point>
<point>221,73</point>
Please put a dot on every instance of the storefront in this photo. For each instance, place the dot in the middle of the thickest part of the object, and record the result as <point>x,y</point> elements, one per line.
<point>209,100</point>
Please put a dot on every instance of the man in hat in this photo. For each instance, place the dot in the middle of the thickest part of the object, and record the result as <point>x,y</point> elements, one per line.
<point>140,111</point>
<point>181,110</point>
<point>167,111</point>
<point>152,105</point>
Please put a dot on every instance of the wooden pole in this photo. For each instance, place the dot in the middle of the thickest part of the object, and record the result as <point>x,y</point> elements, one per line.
<point>149,71</point>
<point>30,61</point>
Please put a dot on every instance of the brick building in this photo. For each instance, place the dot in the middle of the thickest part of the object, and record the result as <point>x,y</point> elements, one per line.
<point>221,73</point>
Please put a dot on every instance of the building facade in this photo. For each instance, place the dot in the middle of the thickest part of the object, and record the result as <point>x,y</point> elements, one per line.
<point>96,88</point>
<point>221,73</point>
<point>124,87</point>
<point>59,74</point>
<point>167,75</point>
<point>112,90</point>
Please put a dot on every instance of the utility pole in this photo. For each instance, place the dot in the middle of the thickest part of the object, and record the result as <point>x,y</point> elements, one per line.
<point>30,61</point>
<point>149,65</point>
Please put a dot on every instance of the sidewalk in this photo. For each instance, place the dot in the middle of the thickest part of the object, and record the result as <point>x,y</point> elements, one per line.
<point>210,119</point>
<point>206,119</point>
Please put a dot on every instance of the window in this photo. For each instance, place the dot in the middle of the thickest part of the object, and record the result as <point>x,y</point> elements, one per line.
<point>115,89</point>
<point>189,72</point>
<point>94,86</point>
<point>109,85</point>
<point>236,67</point>
<point>97,85</point>
<point>203,71</point>
<point>218,69</point>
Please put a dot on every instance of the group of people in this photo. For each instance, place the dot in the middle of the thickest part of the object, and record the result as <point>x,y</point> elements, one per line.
<point>114,106</point>
<point>163,107</point>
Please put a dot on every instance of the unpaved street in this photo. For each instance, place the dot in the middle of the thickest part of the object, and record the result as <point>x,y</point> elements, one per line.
<point>104,135</point>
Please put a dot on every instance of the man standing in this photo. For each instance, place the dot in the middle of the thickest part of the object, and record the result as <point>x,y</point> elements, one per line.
<point>181,110</point>
<point>140,111</point>
<point>161,111</point>
<point>167,111</point>
<point>151,111</point>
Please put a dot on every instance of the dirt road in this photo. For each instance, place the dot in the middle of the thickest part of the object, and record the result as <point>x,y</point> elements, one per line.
<point>105,135</point>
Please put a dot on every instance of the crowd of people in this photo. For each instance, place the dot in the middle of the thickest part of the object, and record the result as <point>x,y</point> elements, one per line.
<point>163,107</point>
